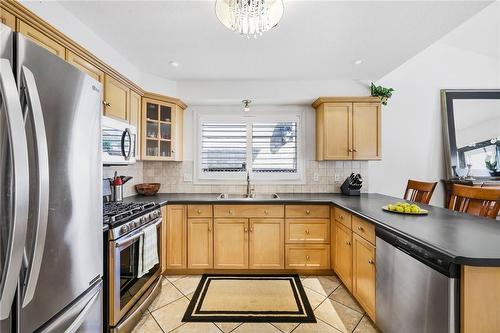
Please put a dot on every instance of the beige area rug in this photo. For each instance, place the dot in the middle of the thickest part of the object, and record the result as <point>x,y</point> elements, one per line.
<point>249,298</point>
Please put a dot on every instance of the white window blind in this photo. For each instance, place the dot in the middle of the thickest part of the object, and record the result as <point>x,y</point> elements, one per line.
<point>274,147</point>
<point>223,147</point>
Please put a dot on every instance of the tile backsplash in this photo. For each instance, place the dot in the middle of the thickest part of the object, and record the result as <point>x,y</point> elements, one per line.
<point>171,177</point>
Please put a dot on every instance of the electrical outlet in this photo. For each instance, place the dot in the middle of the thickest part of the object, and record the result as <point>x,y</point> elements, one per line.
<point>315,177</point>
<point>337,178</point>
<point>188,177</point>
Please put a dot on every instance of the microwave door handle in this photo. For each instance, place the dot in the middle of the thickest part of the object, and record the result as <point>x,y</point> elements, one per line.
<point>33,107</point>
<point>18,144</point>
<point>127,133</point>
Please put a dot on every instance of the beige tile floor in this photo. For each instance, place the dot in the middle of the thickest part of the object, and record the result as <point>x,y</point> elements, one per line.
<point>335,310</point>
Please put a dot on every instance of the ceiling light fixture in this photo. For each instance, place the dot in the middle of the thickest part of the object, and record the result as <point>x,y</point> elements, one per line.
<point>249,18</point>
<point>173,63</point>
<point>246,105</point>
<point>358,62</point>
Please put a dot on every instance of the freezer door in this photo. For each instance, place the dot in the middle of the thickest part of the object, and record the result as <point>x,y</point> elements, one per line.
<point>64,256</point>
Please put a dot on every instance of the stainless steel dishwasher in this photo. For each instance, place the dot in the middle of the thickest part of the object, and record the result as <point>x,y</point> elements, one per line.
<point>417,290</point>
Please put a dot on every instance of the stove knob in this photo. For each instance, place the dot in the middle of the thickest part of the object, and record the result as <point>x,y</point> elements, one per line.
<point>125,228</point>
<point>143,220</point>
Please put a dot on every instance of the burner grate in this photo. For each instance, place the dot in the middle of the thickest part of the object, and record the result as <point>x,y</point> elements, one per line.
<point>117,211</point>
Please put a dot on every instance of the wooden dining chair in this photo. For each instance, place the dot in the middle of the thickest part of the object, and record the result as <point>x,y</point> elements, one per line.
<point>480,201</point>
<point>417,191</point>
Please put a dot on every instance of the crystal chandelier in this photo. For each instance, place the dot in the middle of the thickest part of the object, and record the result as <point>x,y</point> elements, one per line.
<point>249,18</point>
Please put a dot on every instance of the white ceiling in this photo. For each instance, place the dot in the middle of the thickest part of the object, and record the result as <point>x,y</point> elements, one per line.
<point>316,40</point>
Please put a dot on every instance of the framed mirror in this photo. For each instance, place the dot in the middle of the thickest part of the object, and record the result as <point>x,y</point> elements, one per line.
<point>471,127</point>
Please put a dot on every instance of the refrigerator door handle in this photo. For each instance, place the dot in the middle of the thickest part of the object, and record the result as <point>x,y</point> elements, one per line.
<point>19,149</point>
<point>34,108</point>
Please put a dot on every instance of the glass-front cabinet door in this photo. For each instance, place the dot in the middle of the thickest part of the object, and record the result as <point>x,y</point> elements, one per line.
<point>160,121</point>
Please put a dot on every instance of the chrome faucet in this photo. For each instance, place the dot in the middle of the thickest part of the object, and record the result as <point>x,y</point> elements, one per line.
<point>249,193</point>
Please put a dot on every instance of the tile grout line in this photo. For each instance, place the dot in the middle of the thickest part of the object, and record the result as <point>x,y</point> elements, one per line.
<point>358,323</point>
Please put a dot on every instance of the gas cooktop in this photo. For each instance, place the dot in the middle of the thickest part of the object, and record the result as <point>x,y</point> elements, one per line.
<point>120,212</point>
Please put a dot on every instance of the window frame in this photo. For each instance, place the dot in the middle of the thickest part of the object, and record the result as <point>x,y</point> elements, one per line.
<point>238,178</point>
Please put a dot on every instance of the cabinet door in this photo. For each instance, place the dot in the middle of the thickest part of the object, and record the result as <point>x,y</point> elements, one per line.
<point>8,19</point>
<point>363,287</point>
<point>177,133</point>
<point>231,243</point>
<point>337,124</point>
<point>266,244</point>
<point>41,39</point>
<point>343,254</point>
<point>307,231</point>
<point>310,256</point>
<point>85,66</point>
<point>116,99</point>
<point>332,238</point>
<point>135,118</point>
<point>366,131</point>
<point>176,236</point>
<point>200,243</point>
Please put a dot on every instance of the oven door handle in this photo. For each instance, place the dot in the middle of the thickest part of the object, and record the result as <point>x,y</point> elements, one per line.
<point>136,234</point>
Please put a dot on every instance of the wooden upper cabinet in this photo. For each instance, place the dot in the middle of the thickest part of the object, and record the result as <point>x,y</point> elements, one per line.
<point>116,99</point>
<point>84,66</point>
<point>41,39</point>
<point>200,243</point>
<point>176,236</point>
<point>266,246</point>
<point>343,254</point>
<point>162,125</point>
<point>363,285</point>
<point>135,118</point>
<point>8,19</point>
<point>231,243</point>
<point>366,134</point>
<point>348,128</point>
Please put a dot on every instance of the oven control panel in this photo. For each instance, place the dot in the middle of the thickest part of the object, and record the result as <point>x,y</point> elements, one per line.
<point>134,224</point>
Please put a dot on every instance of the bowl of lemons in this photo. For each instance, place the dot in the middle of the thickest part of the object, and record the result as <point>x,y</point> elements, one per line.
<point>405,208</point>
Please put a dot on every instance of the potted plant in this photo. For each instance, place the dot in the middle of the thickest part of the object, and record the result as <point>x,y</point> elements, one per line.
<point>491,165</point>
<point>382,92</point>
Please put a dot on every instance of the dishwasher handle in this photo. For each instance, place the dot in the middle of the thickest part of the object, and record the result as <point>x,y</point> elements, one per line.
<point>433,259</point>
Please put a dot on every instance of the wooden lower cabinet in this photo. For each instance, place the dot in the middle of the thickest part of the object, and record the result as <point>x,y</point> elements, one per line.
<point>266,246</point>
<point>176,236</point>
<point>307,256</point>
<point>163,238</point>
<point>332,238</point>
<point>343,254</point>
<point>363,284</point>
<point>200,243</point>
<point>307,231</point>
<point>231,243</point>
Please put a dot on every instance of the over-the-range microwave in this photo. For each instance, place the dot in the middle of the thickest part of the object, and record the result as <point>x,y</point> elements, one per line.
<point>119,142</point>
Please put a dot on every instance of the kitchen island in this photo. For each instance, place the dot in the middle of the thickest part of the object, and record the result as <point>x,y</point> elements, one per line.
<point>471,242</point>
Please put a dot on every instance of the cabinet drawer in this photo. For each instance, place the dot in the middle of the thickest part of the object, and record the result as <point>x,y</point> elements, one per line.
<point>314,211</point>
<point>249,211</point>
<point>307,256</point>
<point>343,217</point>
<point>307,231</point>
<point>200,211</point>
<point>364,229</point>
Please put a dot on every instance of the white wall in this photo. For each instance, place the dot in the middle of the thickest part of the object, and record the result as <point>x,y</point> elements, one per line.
<point>412,144</point>
<point>66,22</point>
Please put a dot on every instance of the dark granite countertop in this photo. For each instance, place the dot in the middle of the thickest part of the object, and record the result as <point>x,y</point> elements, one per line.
<point>462,238</point>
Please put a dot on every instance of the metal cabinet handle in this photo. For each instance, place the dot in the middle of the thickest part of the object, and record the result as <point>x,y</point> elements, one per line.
<point>341,217</point>
<point>106,103</point>
<point>20,197</point>
<point>350,150</point>
<point>348,243</point>
<point>308,212</point>
<point>231,212</point>
<point>307,257</point>
<point>355,150</point>
<point>198,211</point>
<point>31,100</point>
<point>371,262</point>
<point>307,231</point>
<point>266,212</point>
<point>209,229</point>
<point>360,228</point>
<point>246,229</point>
<point>251,229</point>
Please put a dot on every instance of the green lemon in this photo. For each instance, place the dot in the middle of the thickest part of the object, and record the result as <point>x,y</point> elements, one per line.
<point>400,209</point>
<point>413,206</point>
<point>399,203</point>
<point>407,209</point>
<point>415,209</point>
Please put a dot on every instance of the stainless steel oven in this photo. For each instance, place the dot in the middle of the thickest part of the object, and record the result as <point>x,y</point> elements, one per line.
<point>127,291</point>
<point>119,142</point>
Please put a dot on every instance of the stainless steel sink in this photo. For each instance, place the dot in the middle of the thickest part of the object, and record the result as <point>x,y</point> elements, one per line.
<point>253,196</point>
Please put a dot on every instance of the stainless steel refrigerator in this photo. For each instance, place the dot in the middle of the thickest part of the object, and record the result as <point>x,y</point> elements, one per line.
<point>50,192</point>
